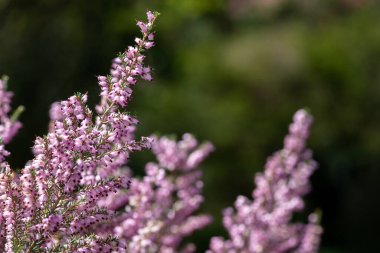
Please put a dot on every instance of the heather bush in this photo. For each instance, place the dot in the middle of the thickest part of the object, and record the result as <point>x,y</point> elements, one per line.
<point>77,195</point>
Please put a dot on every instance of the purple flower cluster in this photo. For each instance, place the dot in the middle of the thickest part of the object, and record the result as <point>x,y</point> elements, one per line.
<point>264,224</point>
<point>116,89</point>
<point>9,125</point>
<point>77,196</point>
<point>52,205</point>
<point>157,211</point>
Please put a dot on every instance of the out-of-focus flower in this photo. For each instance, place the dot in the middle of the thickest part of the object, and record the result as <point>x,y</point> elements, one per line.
<point>157,213</point>
<point>9,125</point>
<point>264,224</point>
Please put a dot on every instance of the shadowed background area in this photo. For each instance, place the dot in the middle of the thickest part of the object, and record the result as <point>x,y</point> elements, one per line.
<point>232,72</point>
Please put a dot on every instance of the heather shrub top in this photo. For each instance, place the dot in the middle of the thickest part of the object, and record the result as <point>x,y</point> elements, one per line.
<point>77,195</point>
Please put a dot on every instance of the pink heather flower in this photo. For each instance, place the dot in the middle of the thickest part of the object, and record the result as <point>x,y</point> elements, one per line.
<point>264,224</point>
<point>112,132</point>
<point>127,68</point>
<point>151,17</point>
<point>159,208</point>
<point>52,205</point>
<point>9,126</point>
<point>55,112</point>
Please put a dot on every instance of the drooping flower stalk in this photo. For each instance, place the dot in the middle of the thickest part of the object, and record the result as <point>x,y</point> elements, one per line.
<point>157,213</point>
<point>52,205</point>
<point>264,224</point>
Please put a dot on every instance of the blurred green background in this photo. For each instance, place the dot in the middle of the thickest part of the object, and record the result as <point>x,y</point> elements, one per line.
<point>229,71</point>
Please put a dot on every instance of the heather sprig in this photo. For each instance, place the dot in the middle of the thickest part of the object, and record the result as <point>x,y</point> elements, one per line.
<point>29,226</point>
<point>116,89</point>
<point>9,125</point>
<point>157,213</point>
<point>264,224</point>
<point>52,205</point>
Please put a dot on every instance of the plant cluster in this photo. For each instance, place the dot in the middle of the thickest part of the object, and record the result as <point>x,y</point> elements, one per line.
<point>76,195</point>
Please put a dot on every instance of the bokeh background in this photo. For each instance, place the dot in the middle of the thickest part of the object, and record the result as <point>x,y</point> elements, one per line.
<point>229,71</point>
